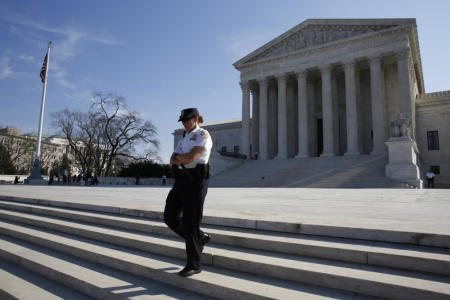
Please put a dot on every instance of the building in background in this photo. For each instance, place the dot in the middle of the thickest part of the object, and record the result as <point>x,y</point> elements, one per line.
<point>341,87</point>
<point>22,149</point>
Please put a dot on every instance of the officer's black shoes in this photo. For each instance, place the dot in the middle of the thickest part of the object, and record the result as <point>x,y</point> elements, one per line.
<point>189,271</point>
<point>206,239</point>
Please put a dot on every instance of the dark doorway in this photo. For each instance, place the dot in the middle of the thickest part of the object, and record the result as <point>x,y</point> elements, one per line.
<point>319,137</point>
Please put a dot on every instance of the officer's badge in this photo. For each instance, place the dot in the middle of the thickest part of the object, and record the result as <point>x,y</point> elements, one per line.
<point>193,138</point>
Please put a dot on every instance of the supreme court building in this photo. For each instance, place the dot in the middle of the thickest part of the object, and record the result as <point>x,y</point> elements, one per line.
<point>331,87</point>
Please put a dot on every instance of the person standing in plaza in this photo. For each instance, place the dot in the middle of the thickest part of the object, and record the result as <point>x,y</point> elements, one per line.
<point>190,164</point>
<point>430,178</point>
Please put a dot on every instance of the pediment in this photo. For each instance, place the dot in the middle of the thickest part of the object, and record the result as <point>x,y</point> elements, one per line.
<point>308,35</point>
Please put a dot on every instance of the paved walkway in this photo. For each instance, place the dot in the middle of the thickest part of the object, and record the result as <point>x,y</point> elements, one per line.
<point>425,210</point>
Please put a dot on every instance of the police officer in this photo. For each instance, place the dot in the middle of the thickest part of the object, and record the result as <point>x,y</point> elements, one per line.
<point>191,168</point>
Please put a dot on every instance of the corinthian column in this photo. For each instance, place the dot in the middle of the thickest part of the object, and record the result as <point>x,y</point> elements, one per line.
<point>377,95</point>
<point>245,130</point>
<point>327,112</point>
<point>263,133</point>
<point>282,120</point>
<point>405,67</point>
<point>351,109</point>
<point>303,135</point>
<point>255,120</point>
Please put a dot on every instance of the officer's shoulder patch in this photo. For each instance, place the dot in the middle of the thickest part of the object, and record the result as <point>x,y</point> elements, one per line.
<point>204,134</point>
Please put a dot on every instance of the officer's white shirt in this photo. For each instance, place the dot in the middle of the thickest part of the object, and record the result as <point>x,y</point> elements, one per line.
<point>198,137</point>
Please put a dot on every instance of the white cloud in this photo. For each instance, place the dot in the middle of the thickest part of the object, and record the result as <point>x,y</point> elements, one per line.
<point>72,35</point>
<point>28,36</point>
<point>5,68</point>
<point>26,57</point>
<point>244,44</point>
<point>59,75</point>
<point>64,48</point>
<point>79,96</point>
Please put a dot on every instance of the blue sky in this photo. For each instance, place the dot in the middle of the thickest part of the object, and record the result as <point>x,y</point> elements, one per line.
<point>163,56</point>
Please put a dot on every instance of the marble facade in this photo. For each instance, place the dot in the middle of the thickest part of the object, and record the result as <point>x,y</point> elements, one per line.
<point>320,88</point>
<point>331,87</point>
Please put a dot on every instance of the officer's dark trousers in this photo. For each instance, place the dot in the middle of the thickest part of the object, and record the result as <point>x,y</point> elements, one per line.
<point>187,197</point>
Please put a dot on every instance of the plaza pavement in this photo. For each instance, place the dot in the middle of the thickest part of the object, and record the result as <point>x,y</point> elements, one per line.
<point>411,210</point>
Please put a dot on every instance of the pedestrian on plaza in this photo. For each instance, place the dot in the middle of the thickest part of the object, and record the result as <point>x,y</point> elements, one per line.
<point>51,178</point>
<point>89,178</point>
<point>191,170</point>
<point>164,179</point>
<point>430,178</point>
<point>66,176</point>
<point>137,177</point>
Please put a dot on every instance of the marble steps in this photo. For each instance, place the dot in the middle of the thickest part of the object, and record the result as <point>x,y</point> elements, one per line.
<point>363,171</point>
<point>20,283</point>
<point>151,222</point>
<point>77,277</point>
<point>352,277</point>
<point>422,259</point>
<point>59,257</point>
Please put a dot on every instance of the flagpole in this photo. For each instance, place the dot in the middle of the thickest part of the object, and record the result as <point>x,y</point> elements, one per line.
<point>36,172</point>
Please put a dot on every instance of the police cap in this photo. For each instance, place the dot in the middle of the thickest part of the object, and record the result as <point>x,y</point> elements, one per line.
<point>187,114</point>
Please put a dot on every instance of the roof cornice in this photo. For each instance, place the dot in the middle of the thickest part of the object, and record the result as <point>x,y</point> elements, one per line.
<point>324,22</point>
<point>403,25</point>
<point>433,97</point>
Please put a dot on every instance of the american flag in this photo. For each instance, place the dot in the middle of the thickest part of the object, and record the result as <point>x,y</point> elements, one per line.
<point>44,68</point>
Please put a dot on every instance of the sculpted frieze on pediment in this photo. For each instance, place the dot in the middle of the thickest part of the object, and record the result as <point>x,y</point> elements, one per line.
<point>317,35</point>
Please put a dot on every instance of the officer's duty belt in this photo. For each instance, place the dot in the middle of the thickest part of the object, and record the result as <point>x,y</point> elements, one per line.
<point>200,171</point>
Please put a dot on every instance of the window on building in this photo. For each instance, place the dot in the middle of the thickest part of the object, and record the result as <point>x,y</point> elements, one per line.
<point>236,149</point>
<point>436,169</point>
<point>433,140</point>
<point>223,149</point>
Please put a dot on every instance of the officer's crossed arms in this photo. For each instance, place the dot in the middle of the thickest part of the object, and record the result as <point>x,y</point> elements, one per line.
<point>178,159</point>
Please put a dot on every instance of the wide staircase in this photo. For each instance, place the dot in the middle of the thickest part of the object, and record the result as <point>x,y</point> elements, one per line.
<point>52,249</point>
<point>359,171</point>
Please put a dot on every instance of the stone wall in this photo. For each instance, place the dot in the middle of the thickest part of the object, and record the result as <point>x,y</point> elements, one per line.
<point>132,181</point>
<point>220,163</point>
<point>433,113</point>
<point>102,180</point>
<point>10,178</point>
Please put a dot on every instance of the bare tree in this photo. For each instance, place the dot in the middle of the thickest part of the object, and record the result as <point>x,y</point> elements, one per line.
<point>84,135</point>
<point>20,149</point>
<point>124,130</point>
<point>6,167</point>
<point>106,135</point>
